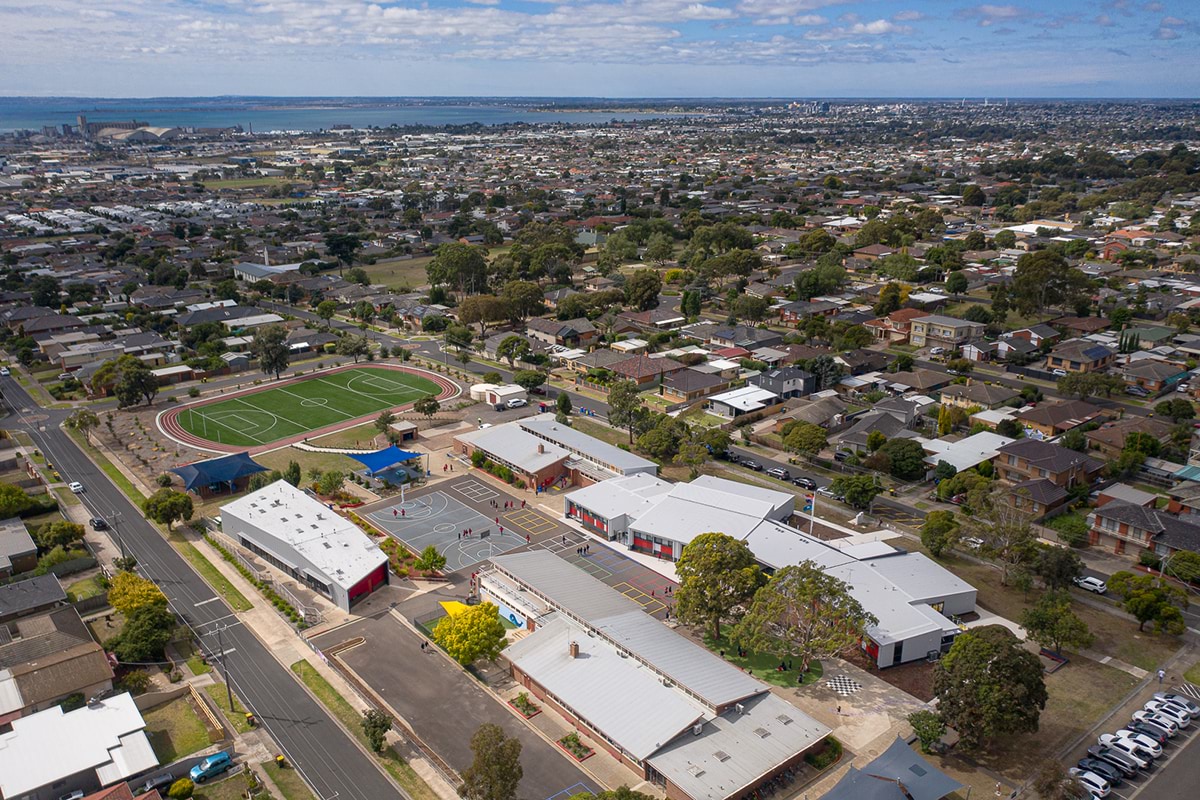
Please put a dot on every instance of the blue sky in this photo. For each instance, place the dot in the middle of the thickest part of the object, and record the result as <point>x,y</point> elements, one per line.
<point>611,48</point>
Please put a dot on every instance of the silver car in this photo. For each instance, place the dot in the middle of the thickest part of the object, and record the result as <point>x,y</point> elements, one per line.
<point>1193,708</point>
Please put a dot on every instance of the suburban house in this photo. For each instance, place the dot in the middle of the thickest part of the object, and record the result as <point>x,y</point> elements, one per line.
<point>935,330</point>
<point>918,380</point>
<point>18,553</point>
<point>1079,355</point>
<point>1124,527</point>
<point>980,351</point>
<point>646,371</point>
<point>571,333</point>
<point>687,385</point>
<point>30,596</point>
<point>896,327</point>
<point>744,336</point>
<point>1048,420</point>
<point>1015,349</point>
<point>823,411</point>
<point>874,252</point>
<point>799,310</point>
<point>977,394</point>
<point>746,400</point>
<point>855,438</point>
<point>1035,335</point>
<point>298,534</point>
<point>1109,438</point>
<point>1030,459</point>
<point>1153,376</point>
<point>785,382</point>
<point>45,659</point>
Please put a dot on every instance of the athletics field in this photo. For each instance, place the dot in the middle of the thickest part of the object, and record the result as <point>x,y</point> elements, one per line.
<point>297,408</point>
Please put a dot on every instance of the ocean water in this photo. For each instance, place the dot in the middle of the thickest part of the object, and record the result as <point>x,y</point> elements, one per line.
<point>293,114</point>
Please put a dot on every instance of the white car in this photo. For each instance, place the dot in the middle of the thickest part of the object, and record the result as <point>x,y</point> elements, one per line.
<point>1062,373</point>
<point>517,402</point>
<point>4,371</point>
<point>973,542</point>
<point>1158,720</point>
<point>1190,705</point>
<point>1096,785</point>
<point>1140,757</point>
<point>1147,743</point>
<point>76,487</point>
<point>1183,387</point>
<point>1090,584</point>
<point>936,351</point>
<point>1175,713</point>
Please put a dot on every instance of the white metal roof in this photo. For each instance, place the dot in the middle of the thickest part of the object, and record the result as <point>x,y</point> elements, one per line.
<point>747,398</point>
<point>108,736</point>
<point>965,453</point>
<point>900,616</point>
<point>516,446</point>
<point>588,447</point>
<point>631,495</point>
<point>335,546</point>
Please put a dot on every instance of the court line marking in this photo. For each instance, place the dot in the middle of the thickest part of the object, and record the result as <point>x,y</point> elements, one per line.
<point>325,404</point>
<point>224,425</point>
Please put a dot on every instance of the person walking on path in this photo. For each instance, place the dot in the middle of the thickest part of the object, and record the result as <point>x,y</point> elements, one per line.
<point>1162,673</point>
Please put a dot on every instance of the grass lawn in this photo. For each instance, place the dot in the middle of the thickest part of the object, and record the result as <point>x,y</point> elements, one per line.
<point>250,183</point>
<point>220,697</point>
<point>65,496</point>
<point>212,576</point>
<point>288,781</point>
<point>358,436</point>
<point>1193,674</point>
<point>278,459</point>
<point>230,788</point>
<point>601,432</point>
<point>315,402</point>
<point>104,629</point>
<point>396,766</point>
<point>764,666</point>
<point>399,272</point>
<point>175,730</point>
<point>88,587</point>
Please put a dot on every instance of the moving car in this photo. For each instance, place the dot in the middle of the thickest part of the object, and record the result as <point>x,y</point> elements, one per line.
<point>1117,758</point>
<point>76,487</point>
<point>1095,784</point>
<point>780,473</point>
<point>1192,707</point>
<point>98,524</point>
<point>805,483</point>
<point>518,402</point>
<point>210,767</point>
<point>1114,775</point>
<point>1090,584</point>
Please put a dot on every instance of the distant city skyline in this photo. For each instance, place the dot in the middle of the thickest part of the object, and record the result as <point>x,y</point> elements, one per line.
<point>598,48</point>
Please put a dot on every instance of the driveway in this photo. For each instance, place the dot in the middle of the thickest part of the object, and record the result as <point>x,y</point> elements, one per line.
<point>444,706</point>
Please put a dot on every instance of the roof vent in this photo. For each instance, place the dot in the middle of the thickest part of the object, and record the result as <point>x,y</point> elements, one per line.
<point>762,733</point>
<point>785,719</point>
<point>696,770</point>
<point>698,729</point>
<point>740,708</point>
<point>721,755</point>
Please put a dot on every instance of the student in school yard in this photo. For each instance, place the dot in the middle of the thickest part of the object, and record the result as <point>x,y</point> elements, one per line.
<point>395,513</point>
<point>527,539</point>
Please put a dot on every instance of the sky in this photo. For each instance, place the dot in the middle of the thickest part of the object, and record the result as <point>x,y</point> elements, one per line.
<point>601,48</point>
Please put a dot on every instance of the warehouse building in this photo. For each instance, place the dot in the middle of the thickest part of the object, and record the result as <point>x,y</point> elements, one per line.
<point>301,536</point>
<point>670,710</point>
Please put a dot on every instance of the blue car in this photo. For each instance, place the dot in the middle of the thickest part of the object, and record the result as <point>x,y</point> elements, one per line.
<point>210,767</point>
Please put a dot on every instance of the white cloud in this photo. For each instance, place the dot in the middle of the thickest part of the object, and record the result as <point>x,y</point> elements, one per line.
<point>1103,20</point>
<point>908,16</point>
<point>484,2</point>
<point>1166,34</point>
<point>879,27</point>
<point>989,14</point>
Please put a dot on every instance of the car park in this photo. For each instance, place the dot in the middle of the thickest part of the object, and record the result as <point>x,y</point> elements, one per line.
<point>1113,774</point>
<point>1150,744</point>
<point>210,767</point>
<point>780,473</point>
<point>1117,758</point>
<point>1090,584</point>
<point>1190,705</point>
<point>1158,720</point>
<point>1176,713</point>
<point>98,524</point>
<point>804,483</point>
<point>76,487</point>
<point>1095,784</point>
<point>1144,759</point>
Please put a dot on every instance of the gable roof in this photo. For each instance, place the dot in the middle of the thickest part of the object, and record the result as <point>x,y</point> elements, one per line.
<point>1049,456</point>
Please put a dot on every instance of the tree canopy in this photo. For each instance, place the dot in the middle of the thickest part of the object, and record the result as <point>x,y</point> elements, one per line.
<point>167,506</point>
<point>717,574</point>
<point>495,771</point>
<point>471,634</point>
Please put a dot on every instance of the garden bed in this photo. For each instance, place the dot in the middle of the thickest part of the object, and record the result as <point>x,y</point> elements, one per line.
<point>524,706</point>
<point>829,754</point>
<point>575,747</point>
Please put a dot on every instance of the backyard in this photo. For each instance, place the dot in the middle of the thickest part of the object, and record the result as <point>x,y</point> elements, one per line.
<point>175,730</point>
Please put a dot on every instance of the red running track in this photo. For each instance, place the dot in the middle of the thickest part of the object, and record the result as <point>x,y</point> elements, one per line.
<point>168,421</point>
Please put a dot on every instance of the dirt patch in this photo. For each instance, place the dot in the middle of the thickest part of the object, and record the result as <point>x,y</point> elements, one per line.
<point>915,678</point>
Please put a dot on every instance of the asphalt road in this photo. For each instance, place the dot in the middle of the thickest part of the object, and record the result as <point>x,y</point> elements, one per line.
<point>1176,779</point>
<point>305,733</point>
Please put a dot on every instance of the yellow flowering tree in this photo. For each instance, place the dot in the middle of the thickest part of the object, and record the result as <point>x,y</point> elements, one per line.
<point>471,634</point>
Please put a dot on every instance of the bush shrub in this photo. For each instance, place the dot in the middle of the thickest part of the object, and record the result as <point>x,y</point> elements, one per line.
<point>135,681</point>
<point>163,480</point>
<point>181,789</point>
<point>1148,558</point>
<point>194,391</point>
<point>826,756</point>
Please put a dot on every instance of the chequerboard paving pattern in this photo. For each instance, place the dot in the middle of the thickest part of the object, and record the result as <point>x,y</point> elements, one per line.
<point>842,685</point>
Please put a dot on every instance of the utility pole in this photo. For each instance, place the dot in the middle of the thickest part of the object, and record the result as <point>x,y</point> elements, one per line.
<point>115,516</point>
<point>225,666</point>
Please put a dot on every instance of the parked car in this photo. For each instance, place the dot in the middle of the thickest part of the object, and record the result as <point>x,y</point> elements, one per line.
<point>517,402</point>
<point>1150,744</point>
<point>842,455</point>
<point>936,351</point>
<point>825,491</point>
<point>76,487</point>
<point>1136,391</point>
<point>780,473</point>
<point>98,524</point>
<point>160,781</point>
<point>1113,774</point>
<point>804,483</point>
<point>1060,372</point>
<point>1095,784</point>
<point>1148,729</point>
<point>75,795</point>
<point>1183,387</point>
<point>1090,584</point>
<point>210,767</point>
<point>1176,713</point>
<point>1158,720</point>
<point>1193,708</point>
<point>1117,758</point>
<point>750,463</point>
<point>973,542</point>
<point>1144,759</point>
<point>4,372</point>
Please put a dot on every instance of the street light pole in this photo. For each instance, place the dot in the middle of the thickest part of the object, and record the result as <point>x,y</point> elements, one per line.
<point>116,516</point>
<point>225,666</point>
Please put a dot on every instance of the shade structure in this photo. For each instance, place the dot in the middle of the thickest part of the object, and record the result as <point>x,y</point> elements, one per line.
<point>225,469</point>
<point>381,460</point>
<point>898,774</point>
